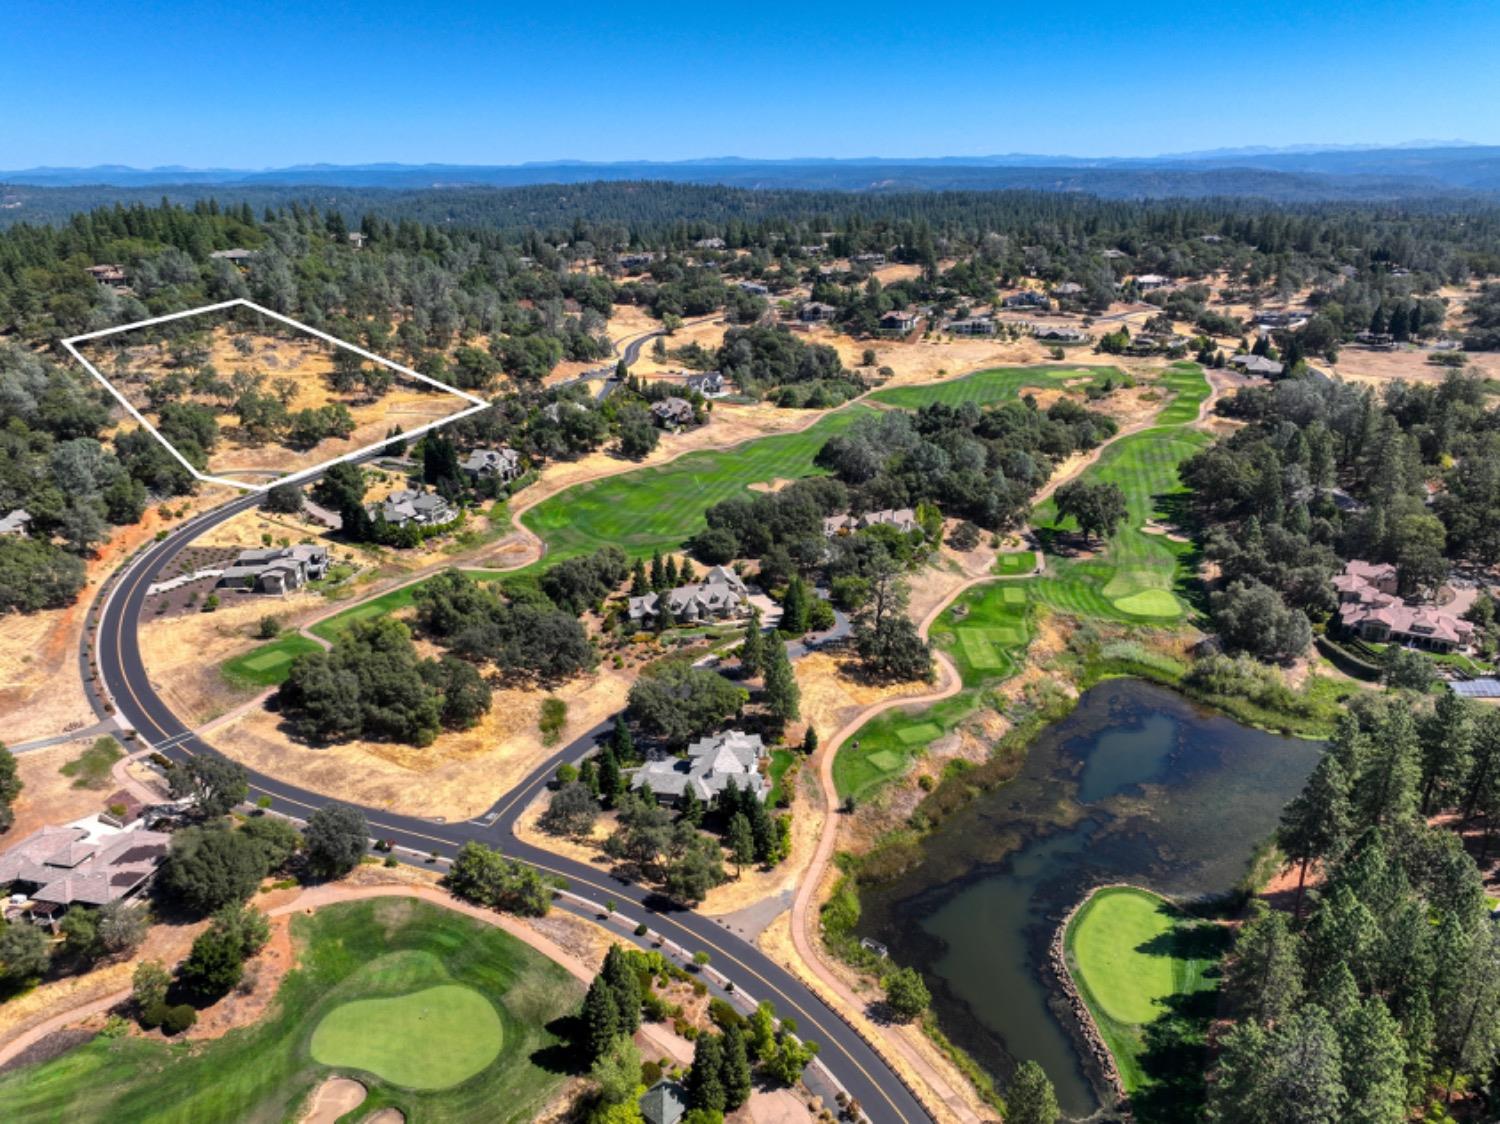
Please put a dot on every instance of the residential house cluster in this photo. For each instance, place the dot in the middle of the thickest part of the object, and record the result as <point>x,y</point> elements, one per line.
<point>721,594</point>
<point>902,518</point>
<point>711,764</point>
<point>276,569</point>
<point>1370,607</point>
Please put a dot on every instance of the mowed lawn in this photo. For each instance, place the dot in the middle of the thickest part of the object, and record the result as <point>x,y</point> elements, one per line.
<point>267,665</point>
<point>658,508</point>
<point>984,387</point>
<point>459,1002</point>
<point>1132,577</point>
<point>1134,957</point>
<point>985,632</point>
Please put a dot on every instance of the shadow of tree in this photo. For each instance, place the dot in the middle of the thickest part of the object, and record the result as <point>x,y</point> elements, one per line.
<point>568,1054</point>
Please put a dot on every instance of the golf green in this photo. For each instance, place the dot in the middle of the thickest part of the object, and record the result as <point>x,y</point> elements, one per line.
<point>430,1039</point>
<point>1109,938</point>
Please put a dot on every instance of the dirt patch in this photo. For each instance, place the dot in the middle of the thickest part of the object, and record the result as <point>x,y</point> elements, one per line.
<point>332,1099</point>
<point>773,486</point>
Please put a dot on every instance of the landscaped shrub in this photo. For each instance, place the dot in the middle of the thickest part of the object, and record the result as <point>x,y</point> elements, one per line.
<point>177,1019</point>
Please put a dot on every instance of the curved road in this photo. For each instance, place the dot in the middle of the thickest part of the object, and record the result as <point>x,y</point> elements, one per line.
<point>125,677</point>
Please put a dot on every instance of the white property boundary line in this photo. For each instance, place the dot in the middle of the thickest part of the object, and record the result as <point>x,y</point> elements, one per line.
<point>477,402</point>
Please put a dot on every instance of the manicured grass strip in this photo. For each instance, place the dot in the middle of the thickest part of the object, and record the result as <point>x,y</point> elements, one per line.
<point>1022,562</point>
<point>655,508</point>
<point>1134,956</point>
<point>781,761</point>
<point>984,387</point>
<point>268,664</point>
<point>91,768</point>
<point>430,1039</point>
<point>381,949</point>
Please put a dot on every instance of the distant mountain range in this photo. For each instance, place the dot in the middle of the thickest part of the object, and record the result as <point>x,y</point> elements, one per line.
<point>1443,170</point>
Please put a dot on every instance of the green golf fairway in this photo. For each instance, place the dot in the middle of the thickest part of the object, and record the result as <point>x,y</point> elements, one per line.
<point>430,1039</point>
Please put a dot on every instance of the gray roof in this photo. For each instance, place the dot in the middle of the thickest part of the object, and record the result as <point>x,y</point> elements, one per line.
<point>66,866</point>
<point>710,765</point>
<point>664,1103</point>
<point>482,460</point>
<point>16,522</point>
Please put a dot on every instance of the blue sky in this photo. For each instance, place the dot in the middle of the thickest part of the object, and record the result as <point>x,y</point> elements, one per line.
<point>275,83</point>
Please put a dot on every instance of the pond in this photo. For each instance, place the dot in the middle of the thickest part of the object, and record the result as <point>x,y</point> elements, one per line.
<point>1135,785</point>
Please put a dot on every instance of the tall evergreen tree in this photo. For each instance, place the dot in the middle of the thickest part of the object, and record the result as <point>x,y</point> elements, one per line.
<point>1447,737</point>
<point>741,842</point>
<point>601,1017</point>
<point>1386,791</point>
<point>658,572</point>
<point>735,1077</point>
<point>796,607</point>
<point>1264,977</point>
<point>783,697</point>
<point>625,986</point>
<point>1316,824</point>
<point>705,1085</point>
<point>753,650</point>
<point>1374,1062</point>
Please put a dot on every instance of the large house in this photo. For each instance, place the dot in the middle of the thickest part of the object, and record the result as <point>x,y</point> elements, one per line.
<point>898,322</point>
<point>972,326</point>
<point>1058,333</point>
<point>710,384</point>
<point>1370,607</point>
<point>1256,365</point>
<point>1067,289</point>
<point>92,861</point>
<point>1027,298</point>
<point>672,413</point>
<point>814,312</point>
<point>902,518</point>
<point>754,288</point>
<point>107,274</point>
<point>636,261</point>
<point>504,463</point>
<point>720,595</point>
<point>424,509</point>
<point>1146,282</point>
<point>710,765</point>
<point>276,570</point>
<point>237,255</point>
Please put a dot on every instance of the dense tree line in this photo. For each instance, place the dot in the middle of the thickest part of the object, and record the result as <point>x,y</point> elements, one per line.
<point>1327,471</point>
<point>1380,990</point>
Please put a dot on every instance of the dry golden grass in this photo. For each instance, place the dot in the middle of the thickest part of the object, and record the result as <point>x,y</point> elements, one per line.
<point>48,797</point>
<point>305,361</point>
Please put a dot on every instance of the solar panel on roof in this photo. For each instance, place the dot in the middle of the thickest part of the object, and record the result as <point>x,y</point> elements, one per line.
<point>1477,688</point>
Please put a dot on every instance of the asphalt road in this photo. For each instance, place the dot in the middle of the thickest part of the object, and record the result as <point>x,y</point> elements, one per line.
<point>850,1058</point>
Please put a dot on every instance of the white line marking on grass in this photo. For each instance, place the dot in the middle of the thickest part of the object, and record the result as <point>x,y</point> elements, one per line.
<point>477,403</point>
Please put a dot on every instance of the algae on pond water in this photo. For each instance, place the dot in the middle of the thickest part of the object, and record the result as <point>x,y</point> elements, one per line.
<point>1136,785</point>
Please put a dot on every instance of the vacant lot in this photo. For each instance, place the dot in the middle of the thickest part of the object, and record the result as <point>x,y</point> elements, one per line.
<point>214,358</point>
<point>415,958</point>
<point>1135,957</point>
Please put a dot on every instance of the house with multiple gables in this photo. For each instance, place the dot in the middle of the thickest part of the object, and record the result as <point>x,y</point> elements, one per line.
<point>710,384</point>
<point>672,413</point>
<point>898,321</point>
<point>721,595</point>
<point>424,509</point>
<point>816,312</point>
<point>1257,365</point>
<point>1370,607</point>
<point>1027,298</point>
<point>711,764</point>
<point>503,463</point>
<point>92,861</point>
<point>275,570</point>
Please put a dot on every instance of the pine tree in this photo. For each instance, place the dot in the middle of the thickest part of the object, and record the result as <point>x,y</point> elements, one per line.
<point>1374,1060</point>
<point>1030,1098</point>
<point>601,1017</point>
<point>752,651</point>
<point>1315,825</point>
<point>1447,737</point>
<point>685,574</point>
<point>741,842</point>
<point>810,740</point>
<point>658,572</point>
<point>1264,978</point>
<point>763,831</point>
<point>783,697</point>
<point>690,808</point>
<point>588,775</point>
<point>625,986</point>
<point>1386,792</point>
<point>705,1086</point>
<point>611,781</point>
<point>795,607</point>
<point>669,574</point>
<point>735,1076</point>
<point>622,740</point>
<point>639,585</point>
